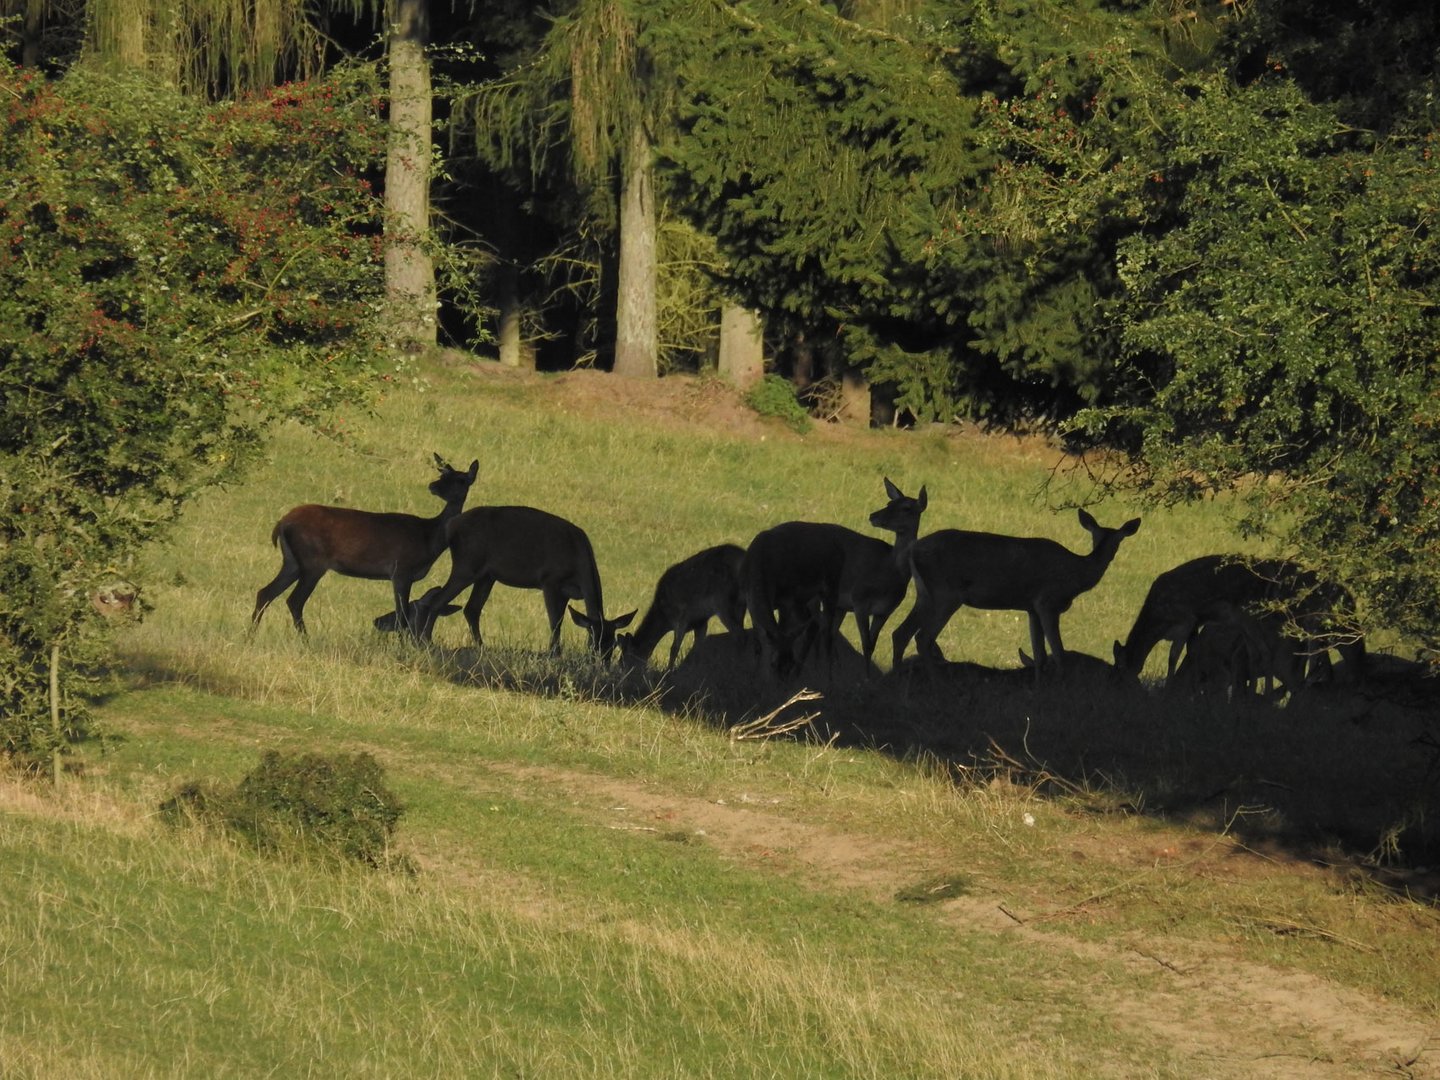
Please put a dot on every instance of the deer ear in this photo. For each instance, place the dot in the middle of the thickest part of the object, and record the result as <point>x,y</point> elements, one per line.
<point>921,499</point>
<point>474,468</point>
<point>622,621</point>
<point>1131,527</point>
<point>891,490</point>
<point>439,462</point>
<point>579,618</point>
<point>1088,523</point>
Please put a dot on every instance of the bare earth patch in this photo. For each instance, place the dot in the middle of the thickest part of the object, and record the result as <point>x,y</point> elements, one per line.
<point>1232,1017</point>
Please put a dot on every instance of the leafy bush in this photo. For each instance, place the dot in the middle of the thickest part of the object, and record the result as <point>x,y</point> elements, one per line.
<point>174,276</point>
<point>774,396</point>
<point>305,804</point>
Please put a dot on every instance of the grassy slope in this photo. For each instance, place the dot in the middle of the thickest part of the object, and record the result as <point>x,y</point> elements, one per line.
<point>564,921</point>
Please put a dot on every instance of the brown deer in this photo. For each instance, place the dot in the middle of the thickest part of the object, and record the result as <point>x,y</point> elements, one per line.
<point>953,567</point>
<point>812,573</point>
<point>1285,614</point>
<point>523,548</point>
<point>686,596</point>
<point>399,548</point>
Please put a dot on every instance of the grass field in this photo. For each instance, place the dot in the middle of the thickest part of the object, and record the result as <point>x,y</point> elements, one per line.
<point>989,881</point>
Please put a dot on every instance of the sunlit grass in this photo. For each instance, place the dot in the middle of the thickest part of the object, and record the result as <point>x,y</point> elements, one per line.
<point>546,932</point>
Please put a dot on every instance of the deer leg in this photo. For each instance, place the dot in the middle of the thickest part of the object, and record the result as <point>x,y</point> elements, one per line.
<point>732,616</point>
<point>403,619</point>
<point>434,602</point>
<point>868,631</point>
<point>555,610</point>
<point>288,575</point>
<point>296,600</point>
<point>1045,629</point>
<point>479,593</point>
<point>933,620</point>
<point>699,628</point>
<point>902,636</point>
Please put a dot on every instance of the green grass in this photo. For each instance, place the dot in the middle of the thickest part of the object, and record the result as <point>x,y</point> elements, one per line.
<point>608,885</point>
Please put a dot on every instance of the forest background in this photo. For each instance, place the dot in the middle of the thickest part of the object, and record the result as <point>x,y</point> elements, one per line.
<point>1197,237</point>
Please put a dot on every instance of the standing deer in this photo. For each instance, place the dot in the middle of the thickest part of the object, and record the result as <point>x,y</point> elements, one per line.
<point>812,573</point>
<point>523,548</point>
<point>953,567</point>
<point>1261,599</point>
<point>687,594</point>
<point>399,548</point>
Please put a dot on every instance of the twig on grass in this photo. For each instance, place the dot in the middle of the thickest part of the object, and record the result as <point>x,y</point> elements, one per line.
<point>1297,929</point>
<point>770,726</point>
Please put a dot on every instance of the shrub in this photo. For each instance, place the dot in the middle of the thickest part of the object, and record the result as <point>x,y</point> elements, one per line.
<point>174,277</point>
<point>774,396</point>
<point>300,805</point>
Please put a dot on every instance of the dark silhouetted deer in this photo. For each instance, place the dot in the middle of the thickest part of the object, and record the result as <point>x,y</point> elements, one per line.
<point>1288,618</point>
<point>800,577</point>
<point>953,567</point>
<point>523,548</point>
<point>686,596</point>
<point>399,548</point>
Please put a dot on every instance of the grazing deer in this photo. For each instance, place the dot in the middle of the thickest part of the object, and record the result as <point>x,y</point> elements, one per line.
<point>687,594</point>
<point>812,573</point>
<point>1262,599</point>
<point>399,548</point>
<point>523,548</point>
<point>390,623</point>
<point>953,567</point>
<point>1218,659</point>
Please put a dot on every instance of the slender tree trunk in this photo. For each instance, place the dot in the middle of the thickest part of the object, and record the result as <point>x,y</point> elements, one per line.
<point>116,31</point>
<point>409,272</point>
<point>854,400</point>
<point>742,353</point>
<point>636,322</point>
<point>802,361</point>
<point>508,333</point>
<point>30,33</point>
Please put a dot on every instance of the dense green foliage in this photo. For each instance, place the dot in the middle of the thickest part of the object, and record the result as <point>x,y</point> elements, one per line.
<point>1287,328</point>
<point>300,804</point>
<point>174,277</point>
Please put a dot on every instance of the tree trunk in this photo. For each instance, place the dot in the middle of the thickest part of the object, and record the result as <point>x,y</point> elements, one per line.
<point>636,323</point>
<point>802,361</point>
<point>409,273</point>
<point>30,33</point>
<point>742,353</point>
<point>513,352</point>
<point>852,402</point>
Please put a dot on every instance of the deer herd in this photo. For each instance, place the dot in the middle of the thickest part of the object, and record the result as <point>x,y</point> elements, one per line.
<point>1234,624</point>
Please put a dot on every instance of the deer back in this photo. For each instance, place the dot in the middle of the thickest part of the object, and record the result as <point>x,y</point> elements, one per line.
<point>999,572</point>
<point>524,548</point>
<point>796,561</point>
<point>707,583</point>
<point>370,544</point>
<point>360,543</point>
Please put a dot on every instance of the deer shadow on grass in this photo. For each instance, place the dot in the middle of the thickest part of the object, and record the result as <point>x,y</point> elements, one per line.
<point>1336,776</point>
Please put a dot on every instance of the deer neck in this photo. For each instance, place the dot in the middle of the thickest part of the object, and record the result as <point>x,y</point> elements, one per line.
<point>900,551</point>
<point>651,629</point>
<point>1098,561</point>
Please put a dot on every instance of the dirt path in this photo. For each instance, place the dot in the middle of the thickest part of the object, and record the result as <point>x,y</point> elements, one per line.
<point>1232,1017</point>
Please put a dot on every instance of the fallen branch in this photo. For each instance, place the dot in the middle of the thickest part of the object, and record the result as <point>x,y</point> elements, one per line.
<point>770,726</point>
<point>1309,930</point>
